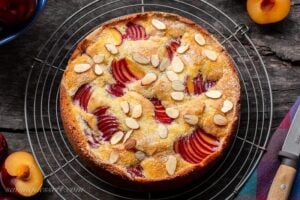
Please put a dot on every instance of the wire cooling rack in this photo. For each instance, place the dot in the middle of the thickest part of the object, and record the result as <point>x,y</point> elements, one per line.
<point>68,176</point>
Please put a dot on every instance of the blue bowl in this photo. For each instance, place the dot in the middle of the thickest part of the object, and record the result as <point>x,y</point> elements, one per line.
<point>11,35</point>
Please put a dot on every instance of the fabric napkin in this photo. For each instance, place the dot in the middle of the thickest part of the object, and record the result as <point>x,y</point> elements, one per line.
<point>258,185</point>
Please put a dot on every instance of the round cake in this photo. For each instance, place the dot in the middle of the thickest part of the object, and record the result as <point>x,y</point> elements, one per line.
<point>150,99</point>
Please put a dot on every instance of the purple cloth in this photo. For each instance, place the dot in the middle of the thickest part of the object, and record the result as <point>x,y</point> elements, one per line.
<point>258,185</point>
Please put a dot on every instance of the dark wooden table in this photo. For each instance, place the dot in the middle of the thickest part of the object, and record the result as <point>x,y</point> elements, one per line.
<point>279,45</point>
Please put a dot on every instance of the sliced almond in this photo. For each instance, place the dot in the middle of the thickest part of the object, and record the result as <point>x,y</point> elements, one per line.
<point>125,107</point>
<point>227,106</point>
<point>171,164</point>
<point>220,120</point>
<point>80,68</point>
<point>213,94</point>
<point>177,96</point>
<point>98,58</point>
<point>200,39</point>
<point>132,123</point>
<point>211,55</point>
<point>98,69</point>
<point>140,155</point>
<point>162,131</point>
<point>172,112</point>
<point>154,60</point>
<point>127,135</point>
<point>172,76</point>
<point>177,64</point>
<point>182,49</point>
<point>139,58</point>
<point>191,119</point>
<point>164,64</point>
<point>178,86</point>
<point>111,48</point>
<point>158,24</point>
<point>149,78</point>
<point>114,157</point>
<point>137,111</point>
<point>130,144</point>
<point>117,137</point>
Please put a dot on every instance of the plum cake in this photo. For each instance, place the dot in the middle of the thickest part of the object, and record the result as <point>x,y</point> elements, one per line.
<point>150,98</point>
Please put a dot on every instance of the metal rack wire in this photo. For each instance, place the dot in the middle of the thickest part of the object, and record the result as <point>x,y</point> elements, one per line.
<point>68,176</point>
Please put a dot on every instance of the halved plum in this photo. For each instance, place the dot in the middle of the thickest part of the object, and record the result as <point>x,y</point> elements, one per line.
<point>160,113</point>
<point>197,85</point>
<point>197,146</point>
<point>83,95</point>
<point>135,32</point>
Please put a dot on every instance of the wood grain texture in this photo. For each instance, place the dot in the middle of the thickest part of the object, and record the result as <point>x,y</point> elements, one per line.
<point>279,45</point>
<point>282,183</point>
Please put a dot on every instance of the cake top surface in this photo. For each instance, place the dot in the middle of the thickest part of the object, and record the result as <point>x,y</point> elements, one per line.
<point>154,94</point>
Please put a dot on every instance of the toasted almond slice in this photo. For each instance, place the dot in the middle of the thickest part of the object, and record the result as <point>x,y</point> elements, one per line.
<point>130,144</point>
<point>164,64</point>
<point>125,107</point>
<point>178,85</point>
<point>172,76</point>
<point>171,164</point>
<point>98,58</point>
<point>98,69</point>
<point>177,64</point>
<point>127,135</point>
<point>114,157</point>
<point>211,55</point>
<point>117,137</point>
<point>182,49</point>
<point>200,39</point>
<point>132,123</point>
<point>191,119</point>
<point>111,48</point>
<point>149,78</point>
<point>177,96</point>
<point>172,112</point>
<point>220,120</point>
<point>137,111</point>
<point>213,94</point>
<point>227,106</point>
<point>140,155</point>
<point>158,24</point>
<point>154,60</point>
<point>139,58</point>
<point>80,68</point>
<point>162,131</point>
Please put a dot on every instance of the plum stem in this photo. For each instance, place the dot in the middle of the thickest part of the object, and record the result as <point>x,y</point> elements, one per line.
<point>23,172</point>
<point>267,4</point>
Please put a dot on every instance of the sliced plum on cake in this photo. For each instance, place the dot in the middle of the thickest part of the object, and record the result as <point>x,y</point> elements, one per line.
<point>123,71</point>
<point>106,122</point>
<point>116,36</point>
<point>160,112</point>
<point>135,32</point>
<point>135,170</point>
<point>171,47</point>
<point>83,95</point>
<point>196,147</point>
<point>197,85</point>
<point>93,140</point>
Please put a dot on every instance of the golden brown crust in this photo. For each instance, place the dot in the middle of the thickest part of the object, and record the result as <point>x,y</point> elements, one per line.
<point>79,144</point>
